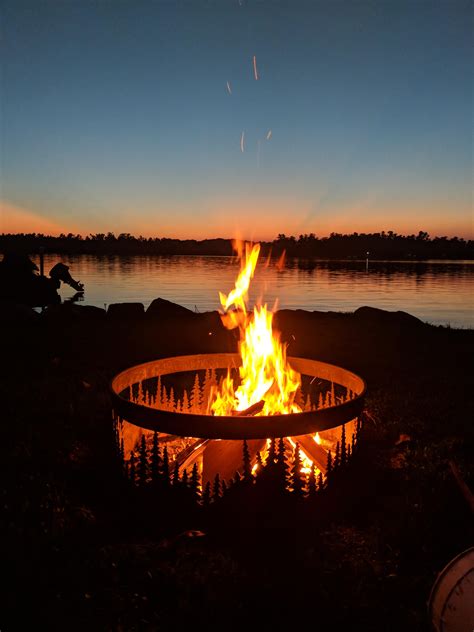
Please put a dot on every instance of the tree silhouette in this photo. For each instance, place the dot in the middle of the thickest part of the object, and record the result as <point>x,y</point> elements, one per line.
<point>176,473</point>
<point>329,466</point>
<point>142,462</point>
<point>281,464</point>
<point>358,429</point>
<point>155,459</point>
<point>296,472</point>
<point>206,496</point>
<point>343,446</point>
<point>337,457</point>
<point>320,482</point>
<point>165,467</point>
<point>196,395</point>
<point>122,455</point>
<point>216,490</point>
<point>184,478</point>
<point>131,470</point>
<point>271,452</point>
<point>247,469</point>
<point>386,245</point>
<point>194,484</point>
<point>312,485</point>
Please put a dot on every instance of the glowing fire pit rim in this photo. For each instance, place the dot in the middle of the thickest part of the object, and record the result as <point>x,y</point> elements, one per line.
<point>245,427</point>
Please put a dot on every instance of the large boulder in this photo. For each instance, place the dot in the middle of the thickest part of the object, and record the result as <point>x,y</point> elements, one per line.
<point>17,313</point>
<point>70,312</point>
<point>375,316</point>
<point>125,311</point>
<point>161,308</point>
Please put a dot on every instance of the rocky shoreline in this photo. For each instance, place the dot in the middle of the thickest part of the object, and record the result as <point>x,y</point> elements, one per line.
<point>75,557</point>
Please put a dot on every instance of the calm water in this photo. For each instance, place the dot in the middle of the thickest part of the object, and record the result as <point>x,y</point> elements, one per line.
<point>436,292</point>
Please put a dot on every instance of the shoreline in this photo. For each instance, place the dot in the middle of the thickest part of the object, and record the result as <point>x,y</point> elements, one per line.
<point>79,544</point>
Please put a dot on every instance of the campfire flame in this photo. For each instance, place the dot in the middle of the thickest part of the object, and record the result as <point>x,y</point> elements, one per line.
<point>265,374</point>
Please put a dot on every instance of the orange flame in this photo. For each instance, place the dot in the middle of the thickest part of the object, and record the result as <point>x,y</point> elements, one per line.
<point>265,374</point>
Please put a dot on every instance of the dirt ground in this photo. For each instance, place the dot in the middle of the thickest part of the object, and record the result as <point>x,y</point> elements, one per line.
<point>83,551</point>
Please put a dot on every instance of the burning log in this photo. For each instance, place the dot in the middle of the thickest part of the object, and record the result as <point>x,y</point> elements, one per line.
<point>250,411</point>
<point>314,451</point>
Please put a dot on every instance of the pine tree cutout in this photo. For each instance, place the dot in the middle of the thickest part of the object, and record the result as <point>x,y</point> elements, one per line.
<point>196,396</point>
<point>155,459</point>
<point>165,467</point>
<point>142,462</point>
<point>164,399</point>
<point>122,455</point>
<point>176,473</point>
<point>131,468</point>
<point>337,456</point>
<point>329,466</point>
<point>247,469</point>
<point>320,482</point>
<point>206,496</point>
<point>281,464</point>
<point>343,446</point>
<point>320,401</point>
<point>194,482</point>
<point>216,489</point>
<point>296,473</point>
<point>312,484</point>
<point>185,406</point>
<point>171,401</point>
<point>271,453</point>
<point>158,402</point>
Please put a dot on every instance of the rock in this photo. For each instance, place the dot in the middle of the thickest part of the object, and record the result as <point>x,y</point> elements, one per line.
<point>70,312</point>
<point>17,313</point>
<point>373,315</point>
<point>90,312</point>
<point>62,313</point>
<point>161,308</point>
<point>125,311</point>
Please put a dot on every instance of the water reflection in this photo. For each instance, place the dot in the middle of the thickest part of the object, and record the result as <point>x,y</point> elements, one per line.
<point>437,292</point>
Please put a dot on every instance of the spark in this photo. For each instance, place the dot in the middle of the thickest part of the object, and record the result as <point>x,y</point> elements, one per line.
<point>242,142</point>
<point>269,135</point>
<point>229,90</point>
<point>255,73</point>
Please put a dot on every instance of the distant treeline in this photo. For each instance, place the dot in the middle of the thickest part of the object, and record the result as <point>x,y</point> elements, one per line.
<point>384,245</point>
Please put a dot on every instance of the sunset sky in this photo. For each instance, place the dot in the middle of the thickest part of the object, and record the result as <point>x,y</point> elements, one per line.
<point>131,116</point>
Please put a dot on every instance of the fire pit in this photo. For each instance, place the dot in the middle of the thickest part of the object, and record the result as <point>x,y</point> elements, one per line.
<point>169,396</point>
<point>201,408</point>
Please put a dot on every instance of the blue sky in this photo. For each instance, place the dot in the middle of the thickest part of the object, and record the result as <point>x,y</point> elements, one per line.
<point>116,116</point>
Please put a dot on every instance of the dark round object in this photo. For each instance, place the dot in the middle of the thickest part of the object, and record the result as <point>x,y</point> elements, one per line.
<point>213,427</point>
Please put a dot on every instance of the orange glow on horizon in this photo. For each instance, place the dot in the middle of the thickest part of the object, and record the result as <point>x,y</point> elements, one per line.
<point>253,219</point>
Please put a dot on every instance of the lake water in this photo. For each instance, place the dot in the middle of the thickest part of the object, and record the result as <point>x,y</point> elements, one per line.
<point>436,292</point>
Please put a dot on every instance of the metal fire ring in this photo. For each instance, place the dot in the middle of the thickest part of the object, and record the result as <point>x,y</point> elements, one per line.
<point>213,427</point>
